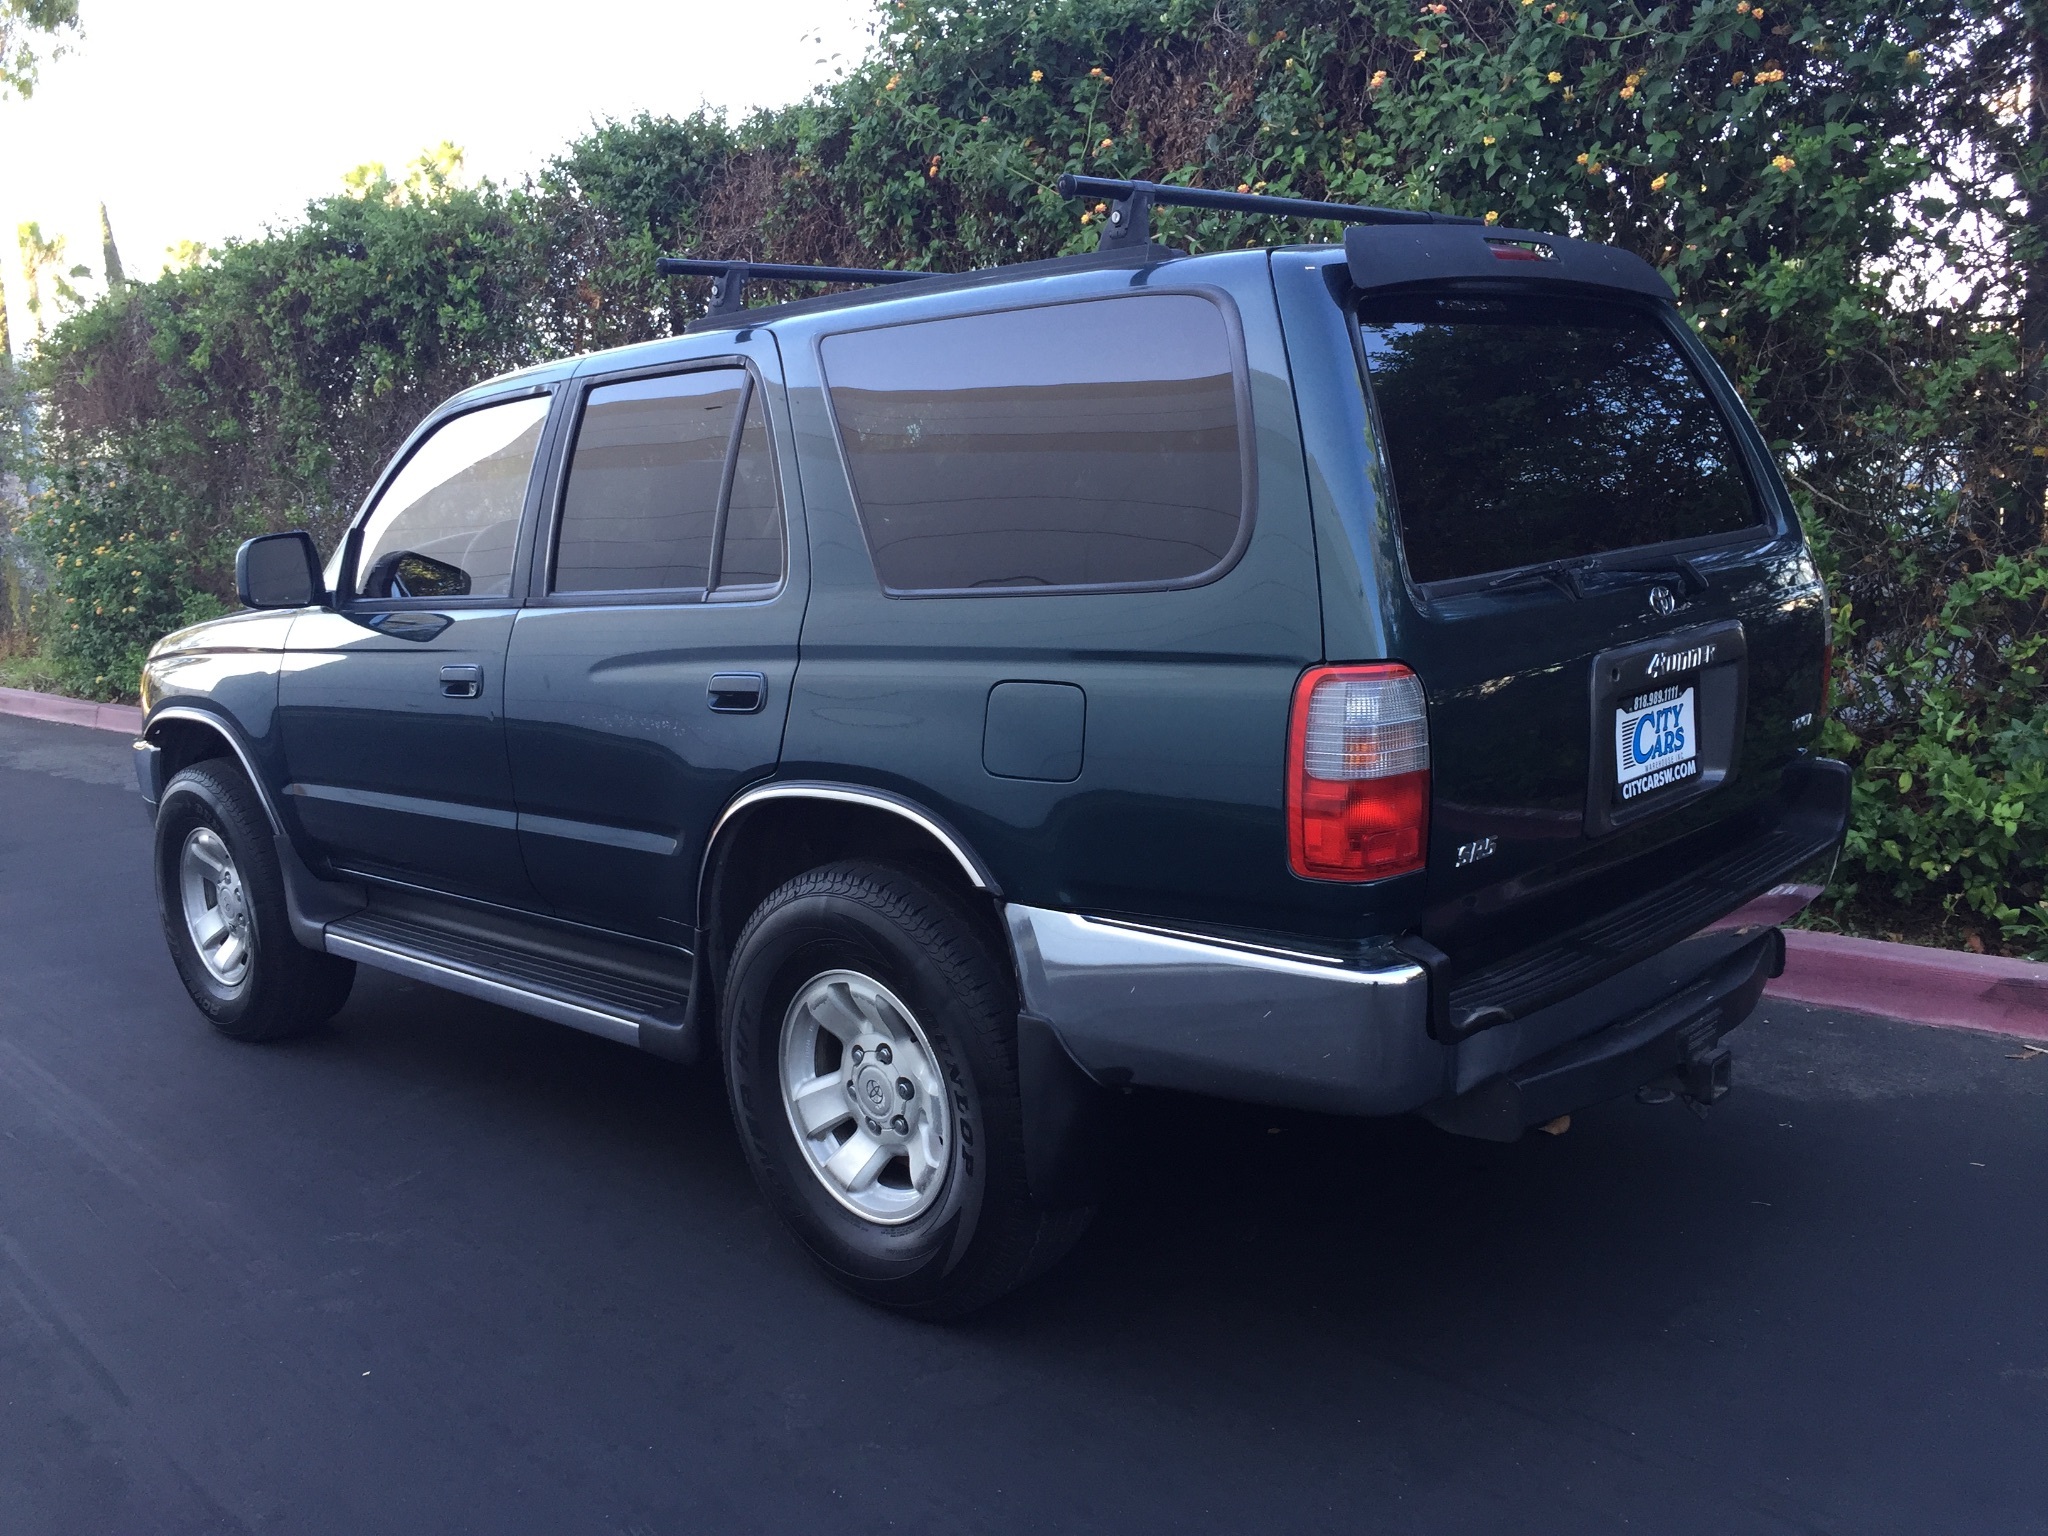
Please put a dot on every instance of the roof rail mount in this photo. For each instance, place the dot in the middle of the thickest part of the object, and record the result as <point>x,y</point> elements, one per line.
<point>1128,223</point>
<point>730,278</point>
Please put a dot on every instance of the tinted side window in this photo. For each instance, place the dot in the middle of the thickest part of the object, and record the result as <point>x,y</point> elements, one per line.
<point>448,523</point>
<point>1075,445</point>
<point>641,504</point>
<point>752,552</point>
<point>1522,430</point>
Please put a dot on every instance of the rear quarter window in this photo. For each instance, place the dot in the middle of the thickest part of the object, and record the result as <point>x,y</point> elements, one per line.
<point>1521,430</point>
<point>1099,444</point>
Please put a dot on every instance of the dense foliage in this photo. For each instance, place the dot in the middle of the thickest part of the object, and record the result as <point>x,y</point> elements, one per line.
<point>1847,196</point>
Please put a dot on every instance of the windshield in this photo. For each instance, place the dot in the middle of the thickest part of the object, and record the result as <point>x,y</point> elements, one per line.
<point>1522,430</point>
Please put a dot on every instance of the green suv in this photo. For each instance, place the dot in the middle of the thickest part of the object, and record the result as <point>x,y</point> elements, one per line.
<point>1376,678</point>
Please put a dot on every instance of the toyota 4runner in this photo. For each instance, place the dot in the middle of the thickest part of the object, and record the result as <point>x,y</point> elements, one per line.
<point>1375,678</point>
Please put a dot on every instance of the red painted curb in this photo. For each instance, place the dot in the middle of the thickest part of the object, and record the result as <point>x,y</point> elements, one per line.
<point>50,706</point>
<point>1943,987</point>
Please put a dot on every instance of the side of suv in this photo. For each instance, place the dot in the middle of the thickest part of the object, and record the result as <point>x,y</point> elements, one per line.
<point>1377,678</point>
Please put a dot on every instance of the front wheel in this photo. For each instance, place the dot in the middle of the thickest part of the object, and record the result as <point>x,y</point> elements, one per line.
<point>871,1055</point>
<point>221,897</point>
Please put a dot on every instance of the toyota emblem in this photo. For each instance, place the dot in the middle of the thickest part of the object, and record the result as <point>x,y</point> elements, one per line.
<point>1662,603</point>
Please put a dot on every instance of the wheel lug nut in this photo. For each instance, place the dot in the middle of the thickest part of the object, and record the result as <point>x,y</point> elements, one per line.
<point>900,1126</point>
<point>874,1127</point>
<point>903,1088</point>
<point>883,1055</point>
<point>858,1053</point>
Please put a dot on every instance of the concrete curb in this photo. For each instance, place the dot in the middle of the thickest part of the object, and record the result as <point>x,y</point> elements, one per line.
<point>51,706</point>
<point>70,711</point>
<point>1943,987</point>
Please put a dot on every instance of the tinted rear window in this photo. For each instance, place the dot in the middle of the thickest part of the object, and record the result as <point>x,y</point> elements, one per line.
<point>653,458</point>
<point>1523,430</point>
<point>1076,445</point>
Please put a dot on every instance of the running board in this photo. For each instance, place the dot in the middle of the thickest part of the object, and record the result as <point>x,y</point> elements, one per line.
<point>609,1000</point>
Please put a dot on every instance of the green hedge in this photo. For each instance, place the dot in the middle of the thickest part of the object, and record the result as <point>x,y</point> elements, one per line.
<point>1844,195</point>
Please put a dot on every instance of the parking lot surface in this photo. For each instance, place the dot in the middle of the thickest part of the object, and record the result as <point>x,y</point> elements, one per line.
<point>444,1268</point>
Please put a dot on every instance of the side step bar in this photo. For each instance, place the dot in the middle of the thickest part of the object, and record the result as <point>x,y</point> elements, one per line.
<point>614,1001</point>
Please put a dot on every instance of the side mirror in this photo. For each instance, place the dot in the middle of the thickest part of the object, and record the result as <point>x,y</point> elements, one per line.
<point>279,570</point>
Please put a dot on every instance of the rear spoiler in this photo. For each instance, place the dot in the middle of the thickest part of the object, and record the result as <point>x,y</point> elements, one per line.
<point>1383,256</point>
<point>1386,247</point>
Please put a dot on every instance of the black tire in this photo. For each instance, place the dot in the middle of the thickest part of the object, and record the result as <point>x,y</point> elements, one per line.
<point>982,1236</point>
<point>284,989</point>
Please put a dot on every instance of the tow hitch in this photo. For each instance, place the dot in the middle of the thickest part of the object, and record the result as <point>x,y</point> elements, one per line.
<point>1672,1048</point>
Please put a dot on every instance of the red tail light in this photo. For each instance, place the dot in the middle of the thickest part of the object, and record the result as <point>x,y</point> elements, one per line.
<point>1358,774</point>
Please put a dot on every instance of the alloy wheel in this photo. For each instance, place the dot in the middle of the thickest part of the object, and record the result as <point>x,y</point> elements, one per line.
<point>865,1097</point>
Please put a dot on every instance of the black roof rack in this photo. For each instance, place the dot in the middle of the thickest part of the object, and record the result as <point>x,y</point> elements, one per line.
<point>1130,207</point>
<point>729,288</point>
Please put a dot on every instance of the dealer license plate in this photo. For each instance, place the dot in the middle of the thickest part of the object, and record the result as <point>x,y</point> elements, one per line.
<point>1655,743</point>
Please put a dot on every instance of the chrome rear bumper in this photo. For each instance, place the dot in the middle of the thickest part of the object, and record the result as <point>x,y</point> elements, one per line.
<point>1136,1004</point>
<point>1166,1010</point>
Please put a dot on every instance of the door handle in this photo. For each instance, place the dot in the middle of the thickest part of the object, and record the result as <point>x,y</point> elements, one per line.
<point>462,682</point>
<point>737,693</point>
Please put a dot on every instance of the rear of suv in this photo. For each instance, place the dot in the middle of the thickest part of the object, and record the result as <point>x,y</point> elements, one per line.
<point>1375,679</point>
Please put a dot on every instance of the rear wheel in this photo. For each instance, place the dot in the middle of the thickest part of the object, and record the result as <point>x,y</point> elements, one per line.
<point>220,894</point>
<point>870,1047</point>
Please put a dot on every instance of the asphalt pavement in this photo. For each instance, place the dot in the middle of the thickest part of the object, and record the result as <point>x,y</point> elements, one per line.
<point>442,1268</point>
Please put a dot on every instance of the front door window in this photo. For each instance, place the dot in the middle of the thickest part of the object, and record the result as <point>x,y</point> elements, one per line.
<point>448,523</point>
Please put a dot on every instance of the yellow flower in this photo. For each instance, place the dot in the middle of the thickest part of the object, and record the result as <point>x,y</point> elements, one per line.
<point>1087,218</point>
<point>892,82</point>
<point>1553,77</point>
<point>1783,164</point>
<point>1633,80</point>
<point>1244,186</point>
<point>1627,91</point>
<point>1913,56</point>
<point>1743,8</point>
<point>1657,182</point>
<point>1756,13</point>
<point>1493,215</point>
<point>1594,169</point>
<point>1106,144</point>
<point>1037,75</point>
<point>1486,139</point>
<point>1567,93</point>
<point>1421,54</point>
<point>1097,74</point>
<point>1379,78</point>
<point>1737,78</point>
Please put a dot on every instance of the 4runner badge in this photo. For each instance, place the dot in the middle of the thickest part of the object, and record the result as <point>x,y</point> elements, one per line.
<point>1473,852</point>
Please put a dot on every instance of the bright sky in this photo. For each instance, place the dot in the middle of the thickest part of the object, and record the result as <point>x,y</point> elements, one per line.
<point>205,119</point>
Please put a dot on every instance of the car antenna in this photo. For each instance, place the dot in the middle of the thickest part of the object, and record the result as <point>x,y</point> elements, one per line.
<point>730,278</point>
<point>1128,224</point>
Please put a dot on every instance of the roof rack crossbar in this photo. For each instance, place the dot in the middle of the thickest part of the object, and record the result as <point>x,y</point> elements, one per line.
<point>730,278</point>
<point>1130,207</point>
